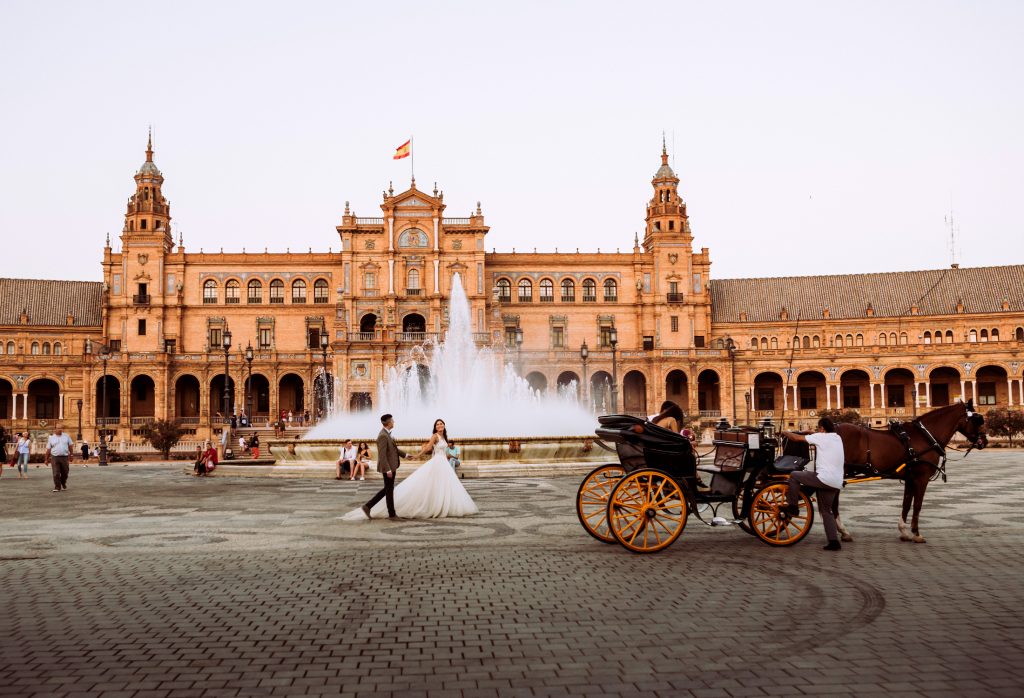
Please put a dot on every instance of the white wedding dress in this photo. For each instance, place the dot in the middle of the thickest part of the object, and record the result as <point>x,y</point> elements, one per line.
<point>434,491</point>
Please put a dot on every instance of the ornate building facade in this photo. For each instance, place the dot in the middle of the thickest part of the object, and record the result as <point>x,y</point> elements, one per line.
<point>655,324</point>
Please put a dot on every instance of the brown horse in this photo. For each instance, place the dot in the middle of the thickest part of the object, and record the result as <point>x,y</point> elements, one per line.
<point>928,435</point>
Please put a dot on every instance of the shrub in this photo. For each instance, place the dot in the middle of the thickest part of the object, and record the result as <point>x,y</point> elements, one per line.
<point>1002,421</point>
<point>845,416</point>
<point>164,434</point>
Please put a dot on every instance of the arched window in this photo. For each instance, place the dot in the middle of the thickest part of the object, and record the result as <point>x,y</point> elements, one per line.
<point>232,292</point>
<point>57,349</point>
<point>892,338</point>
<point>807,342</point>
<point>504,290</point>
<point>927,337</point>
<point>255,294</point>
<point>10,347</point>
<point>753,343</point>
<point>277,291</point>
<point>46,348</point>
<point>299,291</point>
<point>816,342</point>
<point>320,294</point>
<point>849,340</point>
<point>882,339</point>
<point>525,290</point>
<point>903,337</point>
<point>860,340</point>
<point>209,291</point>
<point>775,343</point>
<point>984,335</point>
<point>839,340</point>
<point>35,348</point>
<point>547,291</point>
<point>938,336</point>
<point>949,336</point>
<point>764,344</point>
<point>972,336</point>
<point>412,282</point>
<point>995,334</point>
<point>611,291</point>
<point>568,291</point>
<point>1018,334</point>
<point>589,291</point>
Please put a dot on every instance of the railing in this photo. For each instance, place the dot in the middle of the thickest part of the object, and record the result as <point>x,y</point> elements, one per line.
<point>711,413</point>
<point>675,297</point>
<point>232,300</point>
<point>504,299</point>
<point>547,299</point>
<point>320,299</point>
<point>369,221</point>
<point>364,336</point>
<point>188,421</point>
<point>525,299</point>
<point>141,299</point>
<point>456,221</point>
<point>207,300</point>
<point>107,421</point>
<point>276,299</point>
<point>589,299</point>
<point>415,336</point>
<point>611,299</point>
<point>482,337</point>
<point>140,421</point>
<point>371,292</point>
<point>298,300</point>
<point>255,299</point>
<point>568,299</point>
<point>413,291</point>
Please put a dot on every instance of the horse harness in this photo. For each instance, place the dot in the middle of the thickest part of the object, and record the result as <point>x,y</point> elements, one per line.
<point>899,429</point>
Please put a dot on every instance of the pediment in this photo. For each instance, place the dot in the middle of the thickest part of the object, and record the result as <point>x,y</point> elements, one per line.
<point>414,201</point>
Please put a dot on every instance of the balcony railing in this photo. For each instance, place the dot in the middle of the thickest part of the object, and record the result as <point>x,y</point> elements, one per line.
<point>590,299</point>
<point>298,300</point>
<point>255,299</point>
<point>208,300</point>
<point>320,299</point>
<point>675,297</point>
<point>414,291</point>
<point>568,299</point>
<point>141,299</point>
<point>482,337</point>
<point>711,413</point>
<point>364,336</point>
<point>276,299</point>
<point>232,300</point>
<point>525,299</point>
<point>415,336</point>
<point>369,221</point>
<point>371,292</point>
<point>611,299</point>
<point>504,299</point>
<point>456,221</point>
<point>547,299</point>
<point>188,421</point>
<point>108,421</point>
<point>141,421</point>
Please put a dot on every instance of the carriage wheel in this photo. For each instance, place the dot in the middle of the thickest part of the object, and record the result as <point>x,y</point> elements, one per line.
<point>647,511</point>
<point>771,524</point>
<point>592,500</point>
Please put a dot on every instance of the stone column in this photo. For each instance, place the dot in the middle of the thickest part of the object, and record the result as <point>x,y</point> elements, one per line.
<point>881,392</point>
<point>24,406</point>
<point>871,389</point>
<point>963,391</point>
<point>14,405</point>
<point>1009,392</point>
<point>785,399</point>
<point>828,396</point>
<point>928,394</point>
<point>60,406</point>
<point>974,390</point>
<point>391,277</point>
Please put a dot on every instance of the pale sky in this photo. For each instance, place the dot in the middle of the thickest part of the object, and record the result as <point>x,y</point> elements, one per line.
<point>809,137</point>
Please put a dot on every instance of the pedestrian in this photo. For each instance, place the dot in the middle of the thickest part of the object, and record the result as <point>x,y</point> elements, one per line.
<point>3,450</point>
<point>362,460</point>
<point>59,448</point>
<point>347,461</point>
<point>85,451</point>
<point>289,418</point>
<point>305,417</point>
<point>241,445</point>
<point>23,450</point>
<point>254,445</point>
<point>826,478</point>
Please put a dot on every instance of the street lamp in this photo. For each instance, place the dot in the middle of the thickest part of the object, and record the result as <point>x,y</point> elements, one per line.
<point>328,389</point>
<point>226,342</point>
<point>519,348</point>
<point>613,339</point>
<point>746,400</point>
<point>731,346</point>
<point>79,403</point>
<point>104,357</point>
<point>584,353</point>
<point>248,383</point>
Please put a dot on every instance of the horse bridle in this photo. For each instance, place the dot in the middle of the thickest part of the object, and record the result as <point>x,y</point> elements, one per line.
<point>977,440</point>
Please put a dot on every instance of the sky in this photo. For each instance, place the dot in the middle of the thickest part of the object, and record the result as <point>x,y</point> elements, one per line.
<point>809,137</point>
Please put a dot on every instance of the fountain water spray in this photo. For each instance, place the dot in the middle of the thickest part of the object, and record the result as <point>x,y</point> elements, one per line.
<point>469,387</point>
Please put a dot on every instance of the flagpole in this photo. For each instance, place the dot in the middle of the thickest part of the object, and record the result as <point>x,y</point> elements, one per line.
<point>412,160</point>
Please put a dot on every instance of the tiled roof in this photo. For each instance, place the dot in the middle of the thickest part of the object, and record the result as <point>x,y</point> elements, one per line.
<point>49,302</point>
<point>936,292</point>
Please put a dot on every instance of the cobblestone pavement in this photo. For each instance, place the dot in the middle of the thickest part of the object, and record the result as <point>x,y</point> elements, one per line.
<point>140,581</point>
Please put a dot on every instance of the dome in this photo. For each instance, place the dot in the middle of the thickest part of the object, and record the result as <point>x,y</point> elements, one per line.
<point>665,172</point>
<point>149,168</point>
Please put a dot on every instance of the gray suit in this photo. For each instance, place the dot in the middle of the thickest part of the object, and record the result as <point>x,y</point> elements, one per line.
<point>388,454</point>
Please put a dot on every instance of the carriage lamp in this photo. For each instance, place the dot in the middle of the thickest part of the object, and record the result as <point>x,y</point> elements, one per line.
<point>768,426</point>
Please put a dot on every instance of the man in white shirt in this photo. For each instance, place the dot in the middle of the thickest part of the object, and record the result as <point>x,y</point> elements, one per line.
<point>347,460</point>
<point>827,477</point>
<point>59,450</point>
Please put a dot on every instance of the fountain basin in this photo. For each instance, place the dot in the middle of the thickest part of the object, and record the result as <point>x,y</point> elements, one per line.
<point>481,457</point>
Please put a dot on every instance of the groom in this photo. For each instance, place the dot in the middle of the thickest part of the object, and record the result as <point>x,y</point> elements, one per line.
<point>388,454</point>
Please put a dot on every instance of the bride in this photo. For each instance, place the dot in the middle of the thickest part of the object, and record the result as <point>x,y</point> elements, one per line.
<point>433,491</point>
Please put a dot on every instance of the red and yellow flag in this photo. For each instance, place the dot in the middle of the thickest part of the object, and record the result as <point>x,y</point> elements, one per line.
<point>403,151</point>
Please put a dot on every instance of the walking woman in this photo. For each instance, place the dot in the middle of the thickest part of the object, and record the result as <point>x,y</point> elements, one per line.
<point>24,449</point>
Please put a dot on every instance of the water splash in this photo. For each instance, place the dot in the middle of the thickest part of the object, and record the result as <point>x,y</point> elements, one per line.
<point>471,388</point>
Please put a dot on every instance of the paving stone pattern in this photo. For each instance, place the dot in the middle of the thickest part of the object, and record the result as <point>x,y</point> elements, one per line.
<point>139,581</point>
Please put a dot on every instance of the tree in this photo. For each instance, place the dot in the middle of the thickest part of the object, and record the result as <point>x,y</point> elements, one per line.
<point>846,416</point>
<point>1002,421</point>
<point>163,434</point>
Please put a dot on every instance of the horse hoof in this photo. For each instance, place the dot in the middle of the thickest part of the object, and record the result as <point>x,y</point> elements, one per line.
<point>919,539</point>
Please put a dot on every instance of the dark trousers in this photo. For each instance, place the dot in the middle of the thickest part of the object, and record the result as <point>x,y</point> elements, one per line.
<point>388,492</point>
<point>59,464</point>
<point>826,498</point>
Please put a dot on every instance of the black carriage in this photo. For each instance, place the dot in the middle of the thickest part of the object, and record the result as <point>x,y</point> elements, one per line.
<point>644,500</point>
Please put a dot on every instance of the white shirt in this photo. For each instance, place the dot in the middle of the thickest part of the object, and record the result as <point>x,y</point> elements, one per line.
<point>829,458</point>
<point>348,453</point>
<point>59,445</point>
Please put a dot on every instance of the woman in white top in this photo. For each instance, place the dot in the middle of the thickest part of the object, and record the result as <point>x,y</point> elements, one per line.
<point>24,449</point>
<point>433,491</point>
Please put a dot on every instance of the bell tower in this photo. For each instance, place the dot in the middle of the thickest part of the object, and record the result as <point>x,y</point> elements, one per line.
<point>147,221</point>
<point>666,211</point>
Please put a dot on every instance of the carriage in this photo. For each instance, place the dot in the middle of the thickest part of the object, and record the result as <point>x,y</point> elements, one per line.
<point>644,501</point>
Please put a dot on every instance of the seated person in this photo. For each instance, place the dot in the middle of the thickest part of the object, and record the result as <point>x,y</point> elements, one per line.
<point>347,461</point>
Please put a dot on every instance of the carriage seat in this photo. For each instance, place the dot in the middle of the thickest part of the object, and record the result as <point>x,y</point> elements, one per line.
<point>789,464</point>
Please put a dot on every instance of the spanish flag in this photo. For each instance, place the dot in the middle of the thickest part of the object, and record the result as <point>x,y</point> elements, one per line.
<point>403,151</point>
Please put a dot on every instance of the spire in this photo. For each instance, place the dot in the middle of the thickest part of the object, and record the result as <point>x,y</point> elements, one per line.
<point>664,150</point>
<point>149,146</point>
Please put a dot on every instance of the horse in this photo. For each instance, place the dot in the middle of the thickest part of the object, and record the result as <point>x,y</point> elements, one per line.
<point>923,453</point>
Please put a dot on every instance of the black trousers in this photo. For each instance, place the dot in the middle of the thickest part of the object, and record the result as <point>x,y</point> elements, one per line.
<point>59,465</point>
<point>387,492</point>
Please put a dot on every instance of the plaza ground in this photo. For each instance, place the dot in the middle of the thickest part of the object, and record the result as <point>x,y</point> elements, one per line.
<point>140,581</point>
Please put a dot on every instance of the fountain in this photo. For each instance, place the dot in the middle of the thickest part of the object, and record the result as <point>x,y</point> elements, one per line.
<point>498,420</point>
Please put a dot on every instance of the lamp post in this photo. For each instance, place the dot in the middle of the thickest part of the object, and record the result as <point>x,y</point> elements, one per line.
<point>746,400</point>
<point>79,403</point>
<point>248,381</point>
<point>613,339</point>
<point>328,388</point>
<point>226,343</point>
<point>731,347</point>
<point>519,348</point>
<point>584,353</point>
